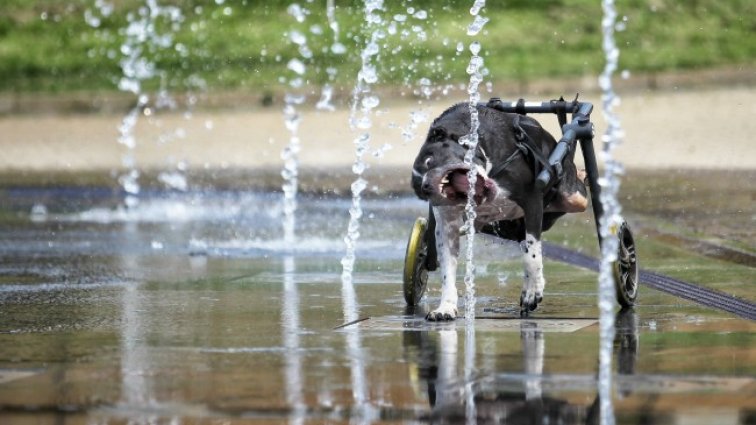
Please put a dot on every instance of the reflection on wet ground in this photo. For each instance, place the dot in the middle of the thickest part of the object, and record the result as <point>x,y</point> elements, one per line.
<point>190,309</point>
<point>710,212</point>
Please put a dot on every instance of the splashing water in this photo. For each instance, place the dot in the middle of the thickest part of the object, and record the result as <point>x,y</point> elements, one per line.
<point>326,95</point>
<point>611,220</point>
<point>135,69</point>
<point>103,10</point>
<point>410,131</point>
<point>292,119</point>
<point>471,142</point>
<point>337,48</point>
<point>290,168</point>
<point>141,39</point>
<point>475,9</point>
<point>362,98</point>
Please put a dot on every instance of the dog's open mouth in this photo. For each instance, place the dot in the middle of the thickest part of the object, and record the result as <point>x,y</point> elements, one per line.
<point>455,185</point>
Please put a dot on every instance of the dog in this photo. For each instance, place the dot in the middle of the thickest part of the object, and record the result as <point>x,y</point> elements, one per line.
<point>508,201</point>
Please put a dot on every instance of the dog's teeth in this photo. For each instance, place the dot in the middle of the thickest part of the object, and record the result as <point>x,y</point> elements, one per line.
<point>482,171</point>
<point>445,180</point>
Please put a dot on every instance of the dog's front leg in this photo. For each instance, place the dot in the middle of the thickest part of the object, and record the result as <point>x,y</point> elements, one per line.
<point>448,222</point>
<point>532,291</point>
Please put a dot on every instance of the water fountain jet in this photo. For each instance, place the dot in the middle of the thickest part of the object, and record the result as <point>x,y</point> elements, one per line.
<point>611,220</point>
<point>292,119</point>
<point>142,39</point>
<point>471,142</point>
<point>366,101</point>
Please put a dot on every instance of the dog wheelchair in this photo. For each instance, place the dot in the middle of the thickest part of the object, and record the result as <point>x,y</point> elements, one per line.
<point>421,256</point>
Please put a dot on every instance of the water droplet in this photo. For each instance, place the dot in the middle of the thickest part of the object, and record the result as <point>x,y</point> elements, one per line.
<point>174,180</point>
<point>338,48</point>
<point>479,4</point>
<point>324,103</point>
<point>297,37</point>
<point>477,25</point>
<point>38,212</point>
<point>364,123</point>
<point>371,49</point>
<point>370,102</point>
<point>297,12</point>
<point>368,74</point>
<point>359,185</point>
<point>475,48</point>
<point>297,66</point>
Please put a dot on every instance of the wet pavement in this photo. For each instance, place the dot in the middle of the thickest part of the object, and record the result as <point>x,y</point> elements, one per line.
<point>191,309</point>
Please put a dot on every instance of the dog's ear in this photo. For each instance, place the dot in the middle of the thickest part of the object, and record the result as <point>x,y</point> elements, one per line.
<point>436,134</point>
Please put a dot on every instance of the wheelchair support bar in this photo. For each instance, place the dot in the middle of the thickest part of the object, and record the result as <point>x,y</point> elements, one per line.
<point>551,107</point>
<point>580,128</point>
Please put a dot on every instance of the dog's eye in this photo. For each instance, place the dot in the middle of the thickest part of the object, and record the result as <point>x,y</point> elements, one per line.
<point>428,161</point>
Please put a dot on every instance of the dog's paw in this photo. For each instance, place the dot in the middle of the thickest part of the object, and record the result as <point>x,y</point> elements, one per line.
<point>443,313</point>
<point>529,301</point>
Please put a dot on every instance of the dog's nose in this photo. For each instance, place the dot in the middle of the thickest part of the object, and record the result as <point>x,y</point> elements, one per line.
<point>427,188</point>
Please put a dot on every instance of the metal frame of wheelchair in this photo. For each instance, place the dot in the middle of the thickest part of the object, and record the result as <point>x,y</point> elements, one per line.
<point>421,256</point>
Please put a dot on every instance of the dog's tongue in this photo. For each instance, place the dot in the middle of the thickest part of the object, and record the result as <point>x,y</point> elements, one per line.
<point>459,181</point>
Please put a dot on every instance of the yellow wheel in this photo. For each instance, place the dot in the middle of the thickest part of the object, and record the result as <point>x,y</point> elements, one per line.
<point>415,268</point>
<point>626,268</point>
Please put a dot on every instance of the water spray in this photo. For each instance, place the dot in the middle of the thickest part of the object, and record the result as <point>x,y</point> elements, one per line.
<point>142,38</point>
<point>366,101</point>
<point>471,142</point>
<point>292,119</point>
<point>611,220</point>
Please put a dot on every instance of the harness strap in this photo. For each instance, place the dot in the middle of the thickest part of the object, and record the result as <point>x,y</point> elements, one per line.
<point>561,111</point>
<point>520,107</point>
<point>503,166</point>
<point>528,147</point>
<point>538,161</point>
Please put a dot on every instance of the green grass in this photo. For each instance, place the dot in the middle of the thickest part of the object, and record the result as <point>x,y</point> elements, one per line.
<point>46,45</point>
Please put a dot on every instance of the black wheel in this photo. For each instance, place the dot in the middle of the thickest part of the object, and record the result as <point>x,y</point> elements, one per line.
<point>415,268</point>
<point>626,268</point>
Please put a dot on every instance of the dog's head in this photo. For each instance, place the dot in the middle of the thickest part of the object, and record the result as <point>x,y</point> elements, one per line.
<point>440,174</point>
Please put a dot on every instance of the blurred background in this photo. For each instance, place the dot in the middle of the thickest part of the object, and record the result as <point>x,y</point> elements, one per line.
<point>242,46</point>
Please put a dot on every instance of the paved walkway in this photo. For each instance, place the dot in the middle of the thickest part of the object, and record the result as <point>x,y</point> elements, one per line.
<point>710,128</point>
